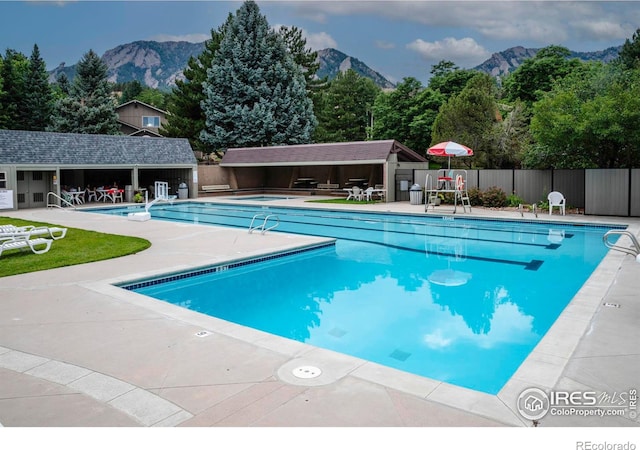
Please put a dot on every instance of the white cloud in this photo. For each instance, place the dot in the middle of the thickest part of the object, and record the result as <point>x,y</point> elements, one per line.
<point>465,52</point>
<point>319,41</point>
<point>195,37</point>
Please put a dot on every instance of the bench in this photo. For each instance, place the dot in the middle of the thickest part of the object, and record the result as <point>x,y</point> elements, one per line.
<point>328,186</point>
<point>215,187</point>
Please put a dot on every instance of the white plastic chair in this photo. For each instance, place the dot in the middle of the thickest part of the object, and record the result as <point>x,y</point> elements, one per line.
<point>355,193</point>
<point>367,194</point>
<point>556,199</point>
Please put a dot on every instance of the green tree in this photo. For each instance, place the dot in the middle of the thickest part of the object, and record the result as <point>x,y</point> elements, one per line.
<point>186,118</point>
<point>629,55</point>
<point>589,120</point>
<point>536,75</point>
<point>407,114</point>
<point>449,79</point>
<point>470,118</point>
<point>62,86</point>
<point>130,91</point>
<point>345,108</point>
<point>14,69</point>
<point>38,96</point>
<point>302,56</point>
<point>89,108</point>
<point>255,93</point>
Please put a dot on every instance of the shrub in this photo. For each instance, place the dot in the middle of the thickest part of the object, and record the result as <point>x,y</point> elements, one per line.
<point>475,196</point>
<point>514,200</point>
<point>494,197</point>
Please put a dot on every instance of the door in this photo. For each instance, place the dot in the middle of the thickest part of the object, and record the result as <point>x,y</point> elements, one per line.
<point>32,189</point>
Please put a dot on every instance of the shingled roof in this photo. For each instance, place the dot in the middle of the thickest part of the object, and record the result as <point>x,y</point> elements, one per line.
<point>39,147</point>
<point>365,152</point>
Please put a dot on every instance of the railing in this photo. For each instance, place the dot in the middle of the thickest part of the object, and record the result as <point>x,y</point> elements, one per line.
<point>62,200</point>
<point>534,209</point>
<point>633,251</point>
<point>263,226</point>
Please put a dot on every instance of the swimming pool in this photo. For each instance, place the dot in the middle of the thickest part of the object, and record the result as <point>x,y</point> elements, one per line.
<point>457,300</point>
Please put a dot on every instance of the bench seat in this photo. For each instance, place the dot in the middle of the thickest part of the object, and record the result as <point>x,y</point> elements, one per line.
<point>215,187</point>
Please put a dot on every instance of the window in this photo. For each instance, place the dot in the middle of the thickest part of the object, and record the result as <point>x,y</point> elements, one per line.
<point>3,180</point>
<point>151,121</point>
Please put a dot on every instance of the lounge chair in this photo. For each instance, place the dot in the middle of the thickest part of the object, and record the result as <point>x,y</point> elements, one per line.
<point>31,230</point>
<point>23,242</point>
<point>556,199</point>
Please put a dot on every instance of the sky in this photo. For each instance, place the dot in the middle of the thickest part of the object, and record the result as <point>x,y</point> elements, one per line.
<point>396,38</point>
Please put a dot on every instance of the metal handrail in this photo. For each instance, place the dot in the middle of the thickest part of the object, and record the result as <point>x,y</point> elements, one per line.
<point>62,200</point>
<point>262,226</point>
<point>635,251</point>
<point>534,209</point>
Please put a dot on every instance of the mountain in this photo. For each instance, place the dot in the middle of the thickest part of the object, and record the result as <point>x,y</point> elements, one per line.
<point>505,62</point>
<point>333,62</point>
<point>159,64</point>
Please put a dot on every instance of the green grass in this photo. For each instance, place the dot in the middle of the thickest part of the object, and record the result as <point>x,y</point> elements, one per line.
<point>344,201</point>
<point>77,247</point>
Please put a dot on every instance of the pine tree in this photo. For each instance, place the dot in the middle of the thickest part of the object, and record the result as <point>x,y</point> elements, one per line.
<point>38,97</point>
<point>89,108</point>
<point>186,118</point>
<point>14,68</point>
<point>255,94</point>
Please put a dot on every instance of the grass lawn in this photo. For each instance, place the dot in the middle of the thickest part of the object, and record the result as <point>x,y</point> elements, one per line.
<point>77,247</point>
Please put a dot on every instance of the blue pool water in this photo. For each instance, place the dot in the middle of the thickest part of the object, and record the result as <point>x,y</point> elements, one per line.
<point>459,300</point>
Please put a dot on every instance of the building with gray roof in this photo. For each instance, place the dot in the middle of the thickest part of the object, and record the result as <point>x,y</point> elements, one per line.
<point>34,163</point>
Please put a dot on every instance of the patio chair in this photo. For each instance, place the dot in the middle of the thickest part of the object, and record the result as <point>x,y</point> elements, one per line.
<point>367,193</point>
<point>23,242</point>
<point>556,199</point>
<point>31,230</point>
<point>355,193</point>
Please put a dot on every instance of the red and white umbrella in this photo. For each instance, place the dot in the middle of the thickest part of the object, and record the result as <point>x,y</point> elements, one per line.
<point>449,148</point>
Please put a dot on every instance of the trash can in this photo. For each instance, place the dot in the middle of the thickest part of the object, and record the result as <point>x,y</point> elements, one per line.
<point>128,193</point>
<point>183,191</point>
<point>415,194</point>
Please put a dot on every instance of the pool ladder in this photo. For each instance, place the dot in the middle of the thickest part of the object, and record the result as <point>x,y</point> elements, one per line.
<point>263,226</point>
<point>534,209</point>
<point>633,251</point>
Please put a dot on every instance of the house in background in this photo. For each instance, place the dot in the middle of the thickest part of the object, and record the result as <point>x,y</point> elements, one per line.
<point>140,119</point>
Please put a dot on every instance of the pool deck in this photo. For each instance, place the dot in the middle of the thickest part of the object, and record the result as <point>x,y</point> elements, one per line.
<point>75,351</point>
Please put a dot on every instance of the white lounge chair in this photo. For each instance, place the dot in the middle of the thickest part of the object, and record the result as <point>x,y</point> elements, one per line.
<point>31,230</point>
<point>556,199</point>
<point>24,242</point>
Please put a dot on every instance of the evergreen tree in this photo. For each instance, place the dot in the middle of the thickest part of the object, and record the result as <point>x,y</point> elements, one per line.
<point>14,69</point>
<point>255,93</point>
<point>130,91</point>
<point>89,108</point>
<point>302,56</point>
<point>38,96</point>
<point>62,86</point>
<point>186,118</point>
<point>629,55</point>
<point>345,108</point>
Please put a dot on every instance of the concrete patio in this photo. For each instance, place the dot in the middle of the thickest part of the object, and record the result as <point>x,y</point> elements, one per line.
<point>75,351</point>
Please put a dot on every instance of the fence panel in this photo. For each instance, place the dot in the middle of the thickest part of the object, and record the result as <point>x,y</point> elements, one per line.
<point>503,179</point>
<point>635,193</point>
<point>532,185</point>
<point>571,183</point>
<point>607,192</point>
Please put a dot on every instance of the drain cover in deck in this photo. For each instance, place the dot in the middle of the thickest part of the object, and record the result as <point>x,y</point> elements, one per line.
<point>306,372</point>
